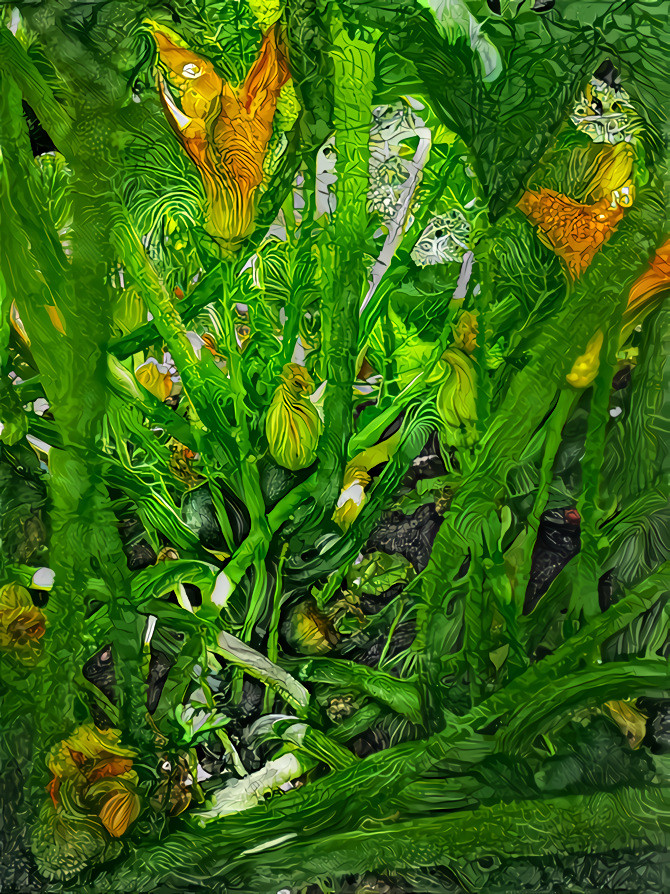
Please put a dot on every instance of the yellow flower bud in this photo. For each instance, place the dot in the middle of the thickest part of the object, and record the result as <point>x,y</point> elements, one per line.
<point>352,497</point>
<point>630,720</point>
<point>456,400</point>
<point>586,366</point>
<point>292,425</point>
<point>309,630</point>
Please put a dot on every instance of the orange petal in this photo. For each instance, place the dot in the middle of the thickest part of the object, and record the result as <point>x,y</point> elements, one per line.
<point>119,811</point>
<point>575,232</point>
<point>52,788</point>
<point>655,278</point>
<point>111,766</point>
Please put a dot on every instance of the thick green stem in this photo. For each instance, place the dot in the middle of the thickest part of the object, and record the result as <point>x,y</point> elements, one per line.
<point>592,823</point>
<point>341,251</point>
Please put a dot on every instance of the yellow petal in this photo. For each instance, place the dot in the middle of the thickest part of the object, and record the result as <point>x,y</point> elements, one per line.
<point>157,383</point>
<point>120,810</point>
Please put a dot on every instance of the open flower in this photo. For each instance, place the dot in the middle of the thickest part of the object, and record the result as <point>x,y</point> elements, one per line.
<point>93,773</point>
<point>225,129</point>
<point>93,801</point>
<point>155,377</point>
<point>22,624</point>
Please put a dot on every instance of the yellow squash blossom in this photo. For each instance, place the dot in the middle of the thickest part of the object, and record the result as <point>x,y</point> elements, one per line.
<point>356,479</point>
<point>226,129</point>
<point>630,720</point>
<point>353,496</point>
<point>465,331</point>
<point>293,425</point>
<point>310,630</point>
<point>94,776</point>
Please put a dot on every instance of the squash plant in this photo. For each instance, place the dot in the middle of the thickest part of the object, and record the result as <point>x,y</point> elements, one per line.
<point>333,461</point>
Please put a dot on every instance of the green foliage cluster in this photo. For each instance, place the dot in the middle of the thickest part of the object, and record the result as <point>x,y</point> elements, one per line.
<point>320,527</point>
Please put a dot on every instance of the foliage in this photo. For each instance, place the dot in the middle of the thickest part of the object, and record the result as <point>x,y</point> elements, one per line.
<point>333,446</point>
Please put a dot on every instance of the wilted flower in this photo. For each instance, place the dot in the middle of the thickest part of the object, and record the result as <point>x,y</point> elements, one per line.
<point>93,801</point>
<point>586,366</point>
<point>444,239</point>
<point>456,400</point>
<point>181,464</point>
<point>605,113</point>
<point>174,793</point>
<point>340,707</point>
<point>387,177</point>
<point>22,624</point>
<point>293,425</point>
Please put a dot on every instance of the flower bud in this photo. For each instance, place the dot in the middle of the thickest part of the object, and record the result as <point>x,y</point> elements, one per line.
<point>456,400</point>
<point>292,425</point>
